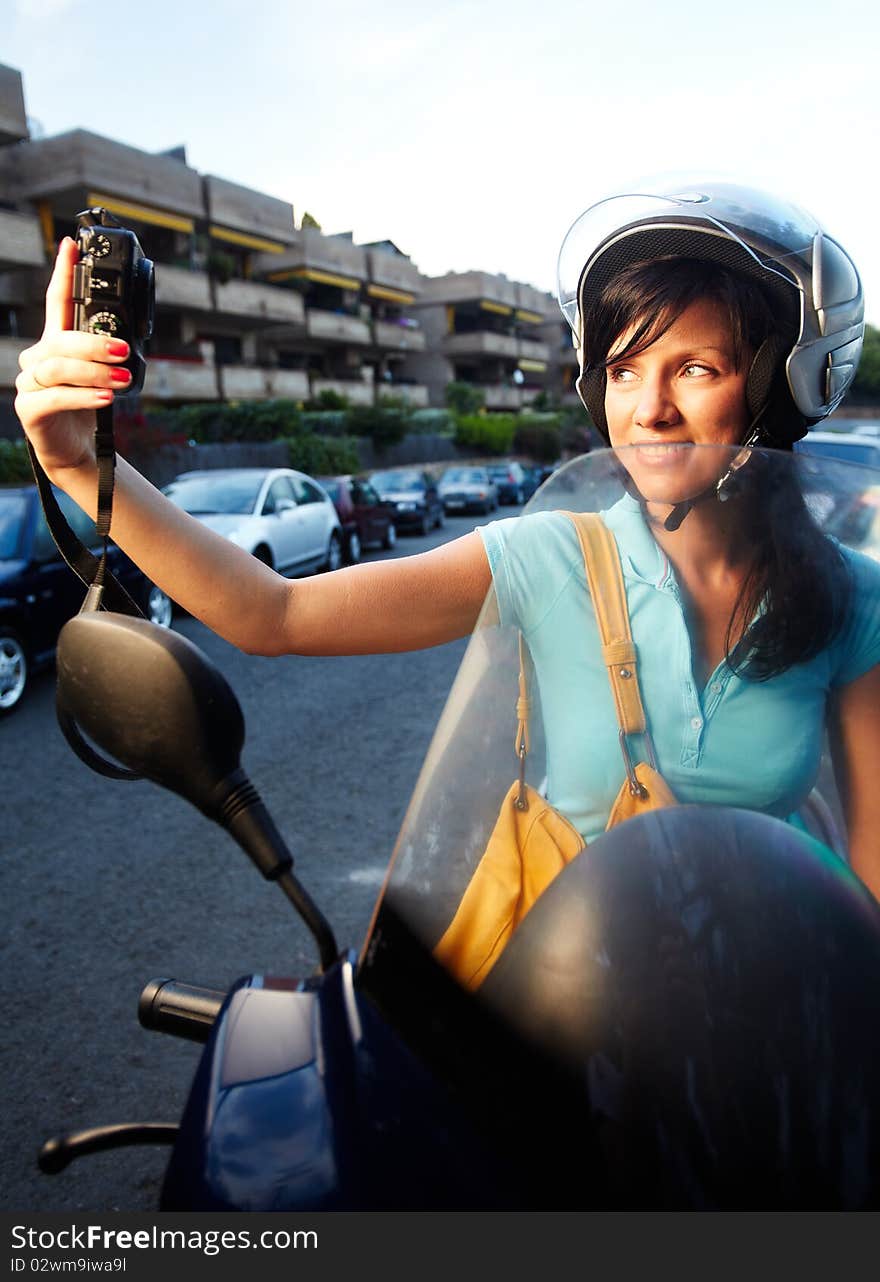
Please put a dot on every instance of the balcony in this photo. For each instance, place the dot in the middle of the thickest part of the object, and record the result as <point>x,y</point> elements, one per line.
<point>287,384</point>
<point>394,272</point>
<point>414,394</point>
<point>316,257</point>
<point>80,164</point>
<point>180,380</point>
<point>533,351</point>
<point>499,397</point>
<point>480,343</point>
<point>469,287</point>
<point>533,302</point>
<point>336,327</point>
<point>10,350</point>
<point>262,221</point>
<point>176,287</point>
<point>358,393</point>
<point>253,301</point>
<point>21,240</point>
<point>398,338</point>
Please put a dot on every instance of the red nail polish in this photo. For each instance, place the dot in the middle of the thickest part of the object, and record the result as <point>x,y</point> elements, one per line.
<point>120,376</point>
<point>116,347</point>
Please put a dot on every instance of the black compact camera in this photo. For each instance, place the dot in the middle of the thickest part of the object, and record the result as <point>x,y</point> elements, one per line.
<point>114,290</point>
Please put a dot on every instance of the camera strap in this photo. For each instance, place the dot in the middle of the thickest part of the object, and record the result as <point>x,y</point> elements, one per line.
<point>105,592</point>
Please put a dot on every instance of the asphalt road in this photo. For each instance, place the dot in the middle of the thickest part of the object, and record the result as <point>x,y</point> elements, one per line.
<point>105,885</point>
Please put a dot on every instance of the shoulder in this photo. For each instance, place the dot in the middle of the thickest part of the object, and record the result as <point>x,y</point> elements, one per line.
<point>532,558</point>
<point>858,645</point>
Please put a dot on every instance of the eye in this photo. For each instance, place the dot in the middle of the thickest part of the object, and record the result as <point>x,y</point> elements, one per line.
<point>694,369</point>
<point>620,374</point>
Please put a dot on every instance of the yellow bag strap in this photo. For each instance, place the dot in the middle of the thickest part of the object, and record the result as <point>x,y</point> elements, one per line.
<point>605,579</point>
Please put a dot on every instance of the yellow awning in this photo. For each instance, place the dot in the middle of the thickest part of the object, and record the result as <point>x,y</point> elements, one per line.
<point>392,295</point>
<point>142,213</point>
<point>249,242</point>
<point>320,278</point>
<point>500,308</point>
<point>536,367</point>
<point>534,318</point>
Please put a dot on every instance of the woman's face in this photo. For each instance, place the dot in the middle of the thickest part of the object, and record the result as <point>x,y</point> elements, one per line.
<point>684,389</point>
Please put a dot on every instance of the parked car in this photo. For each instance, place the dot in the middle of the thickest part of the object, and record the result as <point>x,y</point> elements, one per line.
<point>281,516</point>
<point>39,592</point>
<point>468,489</point>
<point>853,447</point>
<point>511,480</point>
<point>413,496</point>
<point>365,518</point>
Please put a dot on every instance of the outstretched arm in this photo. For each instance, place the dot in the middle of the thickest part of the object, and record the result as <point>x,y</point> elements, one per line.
<point>404,604</point>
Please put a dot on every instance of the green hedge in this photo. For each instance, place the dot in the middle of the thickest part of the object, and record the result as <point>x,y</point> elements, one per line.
<point>539,436</point>
<point>209,422</point>
<point>432,422</point>
<point>486,433</point>
<point>15,465</point>
<point>323,456</point>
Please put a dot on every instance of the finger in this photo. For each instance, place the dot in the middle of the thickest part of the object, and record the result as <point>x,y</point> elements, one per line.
<point>74,344</point>
<point>36,406</point>
<point>59,371</point>
<point>59,295</point>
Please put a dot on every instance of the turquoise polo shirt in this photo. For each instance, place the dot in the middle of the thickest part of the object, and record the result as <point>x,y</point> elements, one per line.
<point>729,742</point>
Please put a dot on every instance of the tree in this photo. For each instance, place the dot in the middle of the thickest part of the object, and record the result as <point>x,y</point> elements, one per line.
<point>464,398</point>
<point>309,221</point>
<point>866,386</point>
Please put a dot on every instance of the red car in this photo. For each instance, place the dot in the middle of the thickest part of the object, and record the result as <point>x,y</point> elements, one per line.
<point>365,517</point>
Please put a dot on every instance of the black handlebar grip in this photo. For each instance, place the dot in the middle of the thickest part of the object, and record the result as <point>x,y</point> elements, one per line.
<point>184,1010</point>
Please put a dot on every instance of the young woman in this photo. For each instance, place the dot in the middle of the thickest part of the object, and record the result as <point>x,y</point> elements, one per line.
<point>715,317</point>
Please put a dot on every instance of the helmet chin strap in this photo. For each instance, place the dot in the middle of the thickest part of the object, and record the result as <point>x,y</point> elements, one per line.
<point>723,489</point>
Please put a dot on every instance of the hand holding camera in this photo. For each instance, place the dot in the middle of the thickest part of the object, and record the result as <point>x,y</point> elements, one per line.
<point>114,287</point>
<point>99,313</point>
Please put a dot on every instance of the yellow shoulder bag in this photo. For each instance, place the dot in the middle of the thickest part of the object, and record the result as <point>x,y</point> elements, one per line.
<point>531,842</point>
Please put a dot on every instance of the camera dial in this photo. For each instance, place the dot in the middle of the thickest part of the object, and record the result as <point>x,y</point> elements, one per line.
<point>114,287</point>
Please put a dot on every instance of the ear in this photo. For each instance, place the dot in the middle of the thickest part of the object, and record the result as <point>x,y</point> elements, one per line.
<point>762,372</point>
<point>591,389</point>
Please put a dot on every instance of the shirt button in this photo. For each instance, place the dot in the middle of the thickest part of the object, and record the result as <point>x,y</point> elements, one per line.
<point>696,723</point>
<point>715,687</point>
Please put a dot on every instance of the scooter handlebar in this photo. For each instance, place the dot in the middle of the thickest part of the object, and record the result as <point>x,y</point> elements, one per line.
<point>184,1010</point>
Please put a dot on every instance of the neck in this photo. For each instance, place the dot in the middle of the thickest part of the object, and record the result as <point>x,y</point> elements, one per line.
<point>709,541</point>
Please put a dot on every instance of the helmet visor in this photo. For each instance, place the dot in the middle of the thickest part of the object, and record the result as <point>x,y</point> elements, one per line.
<point>775,234</point>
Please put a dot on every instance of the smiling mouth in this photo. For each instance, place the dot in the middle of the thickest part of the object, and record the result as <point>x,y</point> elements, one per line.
<point>659,450</point>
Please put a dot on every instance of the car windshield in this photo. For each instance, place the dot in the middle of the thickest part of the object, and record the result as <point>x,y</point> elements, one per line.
<point>204,495</point>
<point>12,513</point>
<point>395,482</point>
<point>463,476</point>
<point>502,472</point>
<point>332,488</point>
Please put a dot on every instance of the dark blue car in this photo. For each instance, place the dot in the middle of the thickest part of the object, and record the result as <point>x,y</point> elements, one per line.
<point>39,592</point>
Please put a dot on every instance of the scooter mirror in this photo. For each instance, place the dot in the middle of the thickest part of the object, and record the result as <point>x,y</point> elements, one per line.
<point>151,700</point>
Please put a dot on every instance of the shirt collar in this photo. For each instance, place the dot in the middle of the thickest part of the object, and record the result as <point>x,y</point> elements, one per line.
<point>641,557</point>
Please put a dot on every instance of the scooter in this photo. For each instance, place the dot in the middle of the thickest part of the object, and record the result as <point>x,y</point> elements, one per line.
<point>686,1018</point>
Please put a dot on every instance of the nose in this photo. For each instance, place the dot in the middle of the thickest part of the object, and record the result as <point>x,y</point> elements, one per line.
<point>655,407</point>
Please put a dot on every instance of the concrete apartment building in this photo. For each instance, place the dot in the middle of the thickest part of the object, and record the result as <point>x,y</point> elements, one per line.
<point>248,305</point>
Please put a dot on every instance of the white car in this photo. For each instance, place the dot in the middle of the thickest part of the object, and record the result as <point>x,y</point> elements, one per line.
<point>281,516</point>
<point>464,489</point>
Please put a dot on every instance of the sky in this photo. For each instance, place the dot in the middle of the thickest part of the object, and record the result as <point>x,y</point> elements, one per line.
<point>473,134</point>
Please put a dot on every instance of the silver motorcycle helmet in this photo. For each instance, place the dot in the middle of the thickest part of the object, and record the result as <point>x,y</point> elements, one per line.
<point>810,278</point>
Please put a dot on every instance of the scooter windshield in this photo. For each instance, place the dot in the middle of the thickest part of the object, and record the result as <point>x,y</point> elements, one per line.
<point>735,670</point>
